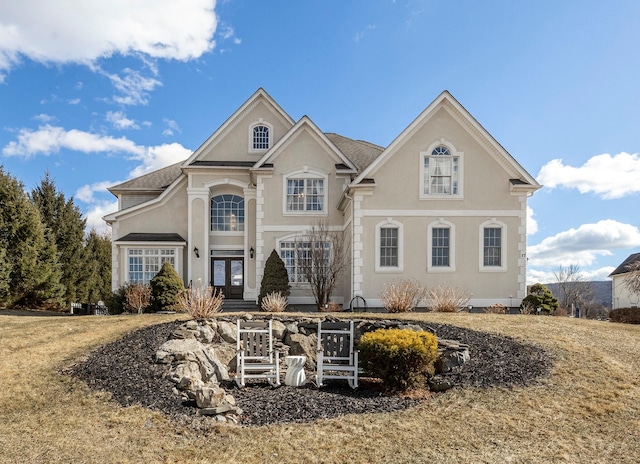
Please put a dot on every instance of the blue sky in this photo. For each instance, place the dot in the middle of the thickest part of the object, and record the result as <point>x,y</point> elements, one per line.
<point>98,92</point>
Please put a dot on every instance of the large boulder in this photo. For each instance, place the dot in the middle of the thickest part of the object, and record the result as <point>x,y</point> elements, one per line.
<point>303,345</point>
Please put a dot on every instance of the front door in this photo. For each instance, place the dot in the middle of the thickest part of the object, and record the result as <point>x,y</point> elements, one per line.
<point>228,275</point>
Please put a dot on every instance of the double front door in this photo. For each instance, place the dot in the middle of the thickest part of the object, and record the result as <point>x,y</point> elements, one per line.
<point>228,275</point>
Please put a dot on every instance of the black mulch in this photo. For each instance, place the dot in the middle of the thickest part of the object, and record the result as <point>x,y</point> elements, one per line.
<point>127,370</point>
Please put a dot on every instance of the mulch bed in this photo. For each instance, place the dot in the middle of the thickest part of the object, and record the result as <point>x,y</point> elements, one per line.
<point>127,370</point>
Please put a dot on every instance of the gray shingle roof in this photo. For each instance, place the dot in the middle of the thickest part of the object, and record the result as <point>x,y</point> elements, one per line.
<point>623,268</point>
<point>360,153</point>
<point>151,237</point>
<point>156,180</point>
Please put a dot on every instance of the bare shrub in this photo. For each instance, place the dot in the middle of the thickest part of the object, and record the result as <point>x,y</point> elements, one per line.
<point>401,296</point>
<point>137,297</point>
<point>561,312</point>
<point>274,302</point>
<point>201,302</point>
<point>528,308</point>
<point>447,298</point>
<point>496,308</point>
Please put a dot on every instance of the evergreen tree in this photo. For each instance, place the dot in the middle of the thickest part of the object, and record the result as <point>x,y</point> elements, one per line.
<point>64,219</point>
<point>5,276</point>
<point>96,269</point>
<point>275,278</point>
<point>28,259</point>
<point>541,297</point>
<point>165,288</point>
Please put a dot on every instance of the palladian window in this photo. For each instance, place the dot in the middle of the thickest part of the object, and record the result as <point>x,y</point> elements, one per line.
<point>227,213</point>
<point>441,171</point>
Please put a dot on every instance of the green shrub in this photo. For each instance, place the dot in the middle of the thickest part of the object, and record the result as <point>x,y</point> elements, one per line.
<point>540,297</point>
<point>275,278</point>
<point>625,315</point>
<point>166,286</point>
<point>402,358</point>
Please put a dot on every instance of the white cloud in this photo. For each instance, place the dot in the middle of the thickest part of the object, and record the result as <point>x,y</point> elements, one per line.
<point>227,33</point>
<point>171,127</point>
<point>360,35</point>
<point>120,120</point>
<point>605,175</point>
<point>51,139</point>
<point>96,212</point>
<point>44,118</point>
<point>583,245</point>
<point>547,276</point>
<point>48,32</point>
<point>133,86</point>
<point>532,224</point>
<point>86,192</point>
<point>158,157</point>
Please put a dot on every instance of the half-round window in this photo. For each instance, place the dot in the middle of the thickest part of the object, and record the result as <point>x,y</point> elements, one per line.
<point>227,213</point>
<point>440,151</point>
<point>260,138</point>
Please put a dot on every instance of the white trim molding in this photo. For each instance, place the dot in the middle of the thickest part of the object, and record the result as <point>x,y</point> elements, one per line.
<point>493,223</point>
<point>390,223</point>
<point>441,224</point>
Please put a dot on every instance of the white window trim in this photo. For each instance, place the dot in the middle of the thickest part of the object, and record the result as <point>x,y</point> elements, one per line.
<point>493,223</point>
<point>454,154</point>
<point>441,224</point>
<point>260,122</point>
<point>177,255</point>
<point>383,224</point>
<point>306,173</point>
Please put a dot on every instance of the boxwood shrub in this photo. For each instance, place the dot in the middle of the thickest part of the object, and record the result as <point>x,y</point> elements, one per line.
<point>402,358</point>
<point>625,315</point>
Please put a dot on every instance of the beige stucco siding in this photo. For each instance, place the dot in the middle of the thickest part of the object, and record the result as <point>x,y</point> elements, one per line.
<point>467,261</point>
<point>234,145</point>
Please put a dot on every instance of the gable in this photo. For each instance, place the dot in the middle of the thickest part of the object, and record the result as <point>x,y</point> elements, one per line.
<point>437,118</point>
<point>231,141</point>
<point>308,144</point>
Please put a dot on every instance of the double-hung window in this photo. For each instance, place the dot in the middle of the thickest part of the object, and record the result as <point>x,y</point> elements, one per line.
<point>493,246</point>
<point>144,263</point>
<point>492,252</point>
<point>389,246</point>
<point>305,195</point>
<point>440,247</point>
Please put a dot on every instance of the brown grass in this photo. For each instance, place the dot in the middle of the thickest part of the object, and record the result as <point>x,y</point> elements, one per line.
<point>588,411</point>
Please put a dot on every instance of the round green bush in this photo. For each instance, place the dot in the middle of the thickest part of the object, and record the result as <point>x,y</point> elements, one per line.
<point>402,358</point>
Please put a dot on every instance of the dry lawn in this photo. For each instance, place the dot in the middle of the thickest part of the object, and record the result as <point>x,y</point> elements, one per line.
<point>588,411</point>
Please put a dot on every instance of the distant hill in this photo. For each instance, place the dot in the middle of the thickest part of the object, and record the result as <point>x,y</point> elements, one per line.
<point>601,288</point>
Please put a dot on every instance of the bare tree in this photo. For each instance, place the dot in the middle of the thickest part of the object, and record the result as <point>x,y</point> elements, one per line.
<point>574,289</point>
<point>137,297</point>
<point>632,280</point>
<point>321,257</point>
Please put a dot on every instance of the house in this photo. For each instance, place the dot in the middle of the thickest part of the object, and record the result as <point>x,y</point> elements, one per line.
<point>443,203</point>
<point>622,298</point>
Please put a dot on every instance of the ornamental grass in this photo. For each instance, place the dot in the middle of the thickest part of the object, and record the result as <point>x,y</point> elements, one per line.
<point>201,302</point>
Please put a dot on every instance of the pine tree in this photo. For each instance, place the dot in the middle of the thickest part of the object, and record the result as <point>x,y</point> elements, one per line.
<point>28,258</point>
<point>165,288</point>
<point>275,278</point>
<point>64,219</point>
<point>96,269</point>
<point>541,297</point>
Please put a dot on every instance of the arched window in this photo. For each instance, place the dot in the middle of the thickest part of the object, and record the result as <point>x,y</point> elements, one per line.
<point>227,213</point>
<point>441,171</point>
<point>260,137</point>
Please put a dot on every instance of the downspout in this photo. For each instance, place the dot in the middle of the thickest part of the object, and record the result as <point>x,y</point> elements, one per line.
<point>346,195</point>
